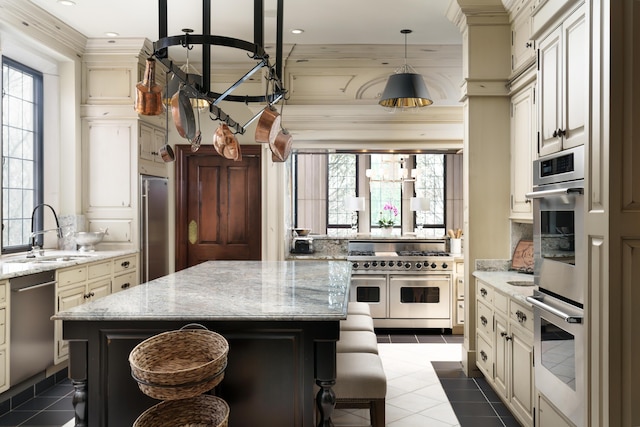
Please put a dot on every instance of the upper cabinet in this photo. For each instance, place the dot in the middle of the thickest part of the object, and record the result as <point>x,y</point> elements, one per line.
<point>562,85</point>
<point>523,51</point>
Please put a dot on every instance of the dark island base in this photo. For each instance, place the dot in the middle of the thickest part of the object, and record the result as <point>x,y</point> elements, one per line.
<point>269,379</point>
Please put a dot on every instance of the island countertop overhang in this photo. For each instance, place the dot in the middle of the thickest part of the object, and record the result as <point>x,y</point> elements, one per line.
<point>231,290</point>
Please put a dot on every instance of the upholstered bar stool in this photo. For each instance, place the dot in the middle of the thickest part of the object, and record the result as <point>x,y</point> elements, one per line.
<point>358,308</point>
<point>357,322</point>
<point>357,342</point>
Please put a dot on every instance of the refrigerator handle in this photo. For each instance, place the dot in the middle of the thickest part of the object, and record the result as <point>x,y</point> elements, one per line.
<point>145,230</point>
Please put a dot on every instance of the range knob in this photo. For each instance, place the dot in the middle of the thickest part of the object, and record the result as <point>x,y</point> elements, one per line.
<point>433,265</point>
<point>407,265</point>
<point>391,264</point>
<point>374,264</point>
<point>355,265</point>
<point>444,265</point>
<point>366,265</point>
<point>382,263</point>
<point>418,265</point>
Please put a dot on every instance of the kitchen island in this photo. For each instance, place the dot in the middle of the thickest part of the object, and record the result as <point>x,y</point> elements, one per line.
<point>281,320</point>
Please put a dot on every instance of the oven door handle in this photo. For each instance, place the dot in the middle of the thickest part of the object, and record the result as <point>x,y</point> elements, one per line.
<point>537,302</point>
<point>556,192</point>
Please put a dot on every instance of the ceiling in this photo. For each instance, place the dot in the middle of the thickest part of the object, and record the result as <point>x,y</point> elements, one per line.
<point>323,22</point>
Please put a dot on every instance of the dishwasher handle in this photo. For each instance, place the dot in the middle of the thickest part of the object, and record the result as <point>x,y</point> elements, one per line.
<point>39,285</point>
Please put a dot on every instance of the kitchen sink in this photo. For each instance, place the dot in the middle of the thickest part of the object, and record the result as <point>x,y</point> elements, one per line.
<point>521,282</point>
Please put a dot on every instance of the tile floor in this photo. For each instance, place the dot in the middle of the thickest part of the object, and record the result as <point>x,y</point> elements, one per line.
<point>425,387</point>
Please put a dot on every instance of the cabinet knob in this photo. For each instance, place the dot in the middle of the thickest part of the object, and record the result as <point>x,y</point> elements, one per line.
<point>484,320</point>
<point>521,316</point>
<point>483,292</point>
<point>483,355</point>
<point>125,285</point>
<point>125,264</point>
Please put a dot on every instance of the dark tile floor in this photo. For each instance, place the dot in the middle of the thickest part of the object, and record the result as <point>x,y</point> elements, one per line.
<point>473,400</point>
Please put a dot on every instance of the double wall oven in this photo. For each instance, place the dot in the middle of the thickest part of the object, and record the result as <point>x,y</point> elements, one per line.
<point>559,265</point>
<point>407,284</point>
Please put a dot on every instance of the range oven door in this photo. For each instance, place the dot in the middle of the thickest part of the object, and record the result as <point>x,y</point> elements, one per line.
<point>420,297</point>
<point>371,289</point>
<point>559,354</point>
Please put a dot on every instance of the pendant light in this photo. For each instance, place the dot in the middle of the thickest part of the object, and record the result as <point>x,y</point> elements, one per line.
<point>405,88</point>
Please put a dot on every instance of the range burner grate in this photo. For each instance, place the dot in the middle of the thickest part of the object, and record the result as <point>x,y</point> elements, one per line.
<point>422,253</point>
<point>362,253</point>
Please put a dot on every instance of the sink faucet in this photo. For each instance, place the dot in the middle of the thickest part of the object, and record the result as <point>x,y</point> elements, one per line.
<point>36,233</point>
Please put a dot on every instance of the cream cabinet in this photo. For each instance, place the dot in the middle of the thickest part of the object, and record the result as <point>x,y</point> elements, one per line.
<point>4,335</point>
<point>458,296</point>
<point>504,331</point>
<point>549,416</point>
<point>523,53</point>
<point>563,77</point>
<point>523,150</point>
<point>124,273</point>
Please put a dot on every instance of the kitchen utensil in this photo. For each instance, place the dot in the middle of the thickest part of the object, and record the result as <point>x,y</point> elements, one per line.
<point>148,93</point>
<point>281,147</point>
<point>197,139</point>
<point>268,126</point>
<point>302,231</point>
<point>87,239</point>
<point>226,144</point>
<point>166,152</point>
<point>182,113</point>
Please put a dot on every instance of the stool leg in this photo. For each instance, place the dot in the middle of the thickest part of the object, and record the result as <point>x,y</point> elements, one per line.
<point>377,412</point>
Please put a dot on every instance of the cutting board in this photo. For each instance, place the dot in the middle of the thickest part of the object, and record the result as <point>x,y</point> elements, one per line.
<point>522,260</point>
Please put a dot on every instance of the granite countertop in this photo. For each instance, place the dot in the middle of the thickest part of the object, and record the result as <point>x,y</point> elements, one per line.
<point>499,279</point>
<point>231,290</point>
<point>15,265</point>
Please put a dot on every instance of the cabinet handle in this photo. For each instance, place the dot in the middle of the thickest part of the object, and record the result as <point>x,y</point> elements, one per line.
<point>521,316</point>
<point>86,296</point>
<point>125,264</point>
<point>505,336</point>
<point>484,320</point>
<point>483,292</point>
<point>483,355</point>
<point>125,285</point>
<point>529,44</point>
<point>508,338</point>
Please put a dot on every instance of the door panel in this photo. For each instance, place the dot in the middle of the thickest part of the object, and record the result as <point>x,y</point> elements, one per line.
<point>218,206</point>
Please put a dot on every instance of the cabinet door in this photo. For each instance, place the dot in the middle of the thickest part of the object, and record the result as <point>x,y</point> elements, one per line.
<point>99,289</point>
<point>68,298</point>
<point>548,416</point>
<point>521,373</point>
<point>4,370</point>
<point>523,134</point>
<point>522,51</point>
<point>502,355</point>
<point>550,90</point>
<point>575,79</point>
<point>145,142</point>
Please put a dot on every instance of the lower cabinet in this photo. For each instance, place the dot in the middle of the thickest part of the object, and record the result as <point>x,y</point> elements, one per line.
<point>84,283</point>
<point>548,416</point>
<point>505,350</point>
<point>4,342</point>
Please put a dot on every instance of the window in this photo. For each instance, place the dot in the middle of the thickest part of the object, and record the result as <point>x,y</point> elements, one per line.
<point>386,193</point>
<point>430,182</point>
<point>342,182</point>
<point>21,152</point>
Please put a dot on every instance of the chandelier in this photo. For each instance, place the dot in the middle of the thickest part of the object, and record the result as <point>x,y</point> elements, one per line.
<point>393,168</point>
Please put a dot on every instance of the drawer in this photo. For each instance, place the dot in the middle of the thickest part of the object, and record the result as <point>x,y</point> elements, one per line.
<point>72,275</point>
<point>500,302</point>
<point>99,269</point>
<point>122,282</point>
<point>484,323</point>
<point>521,315</point>
<point>3,292</point>
<point>484,358</point>
<point>123,264</point>
<point>460,311</point>
<point>459,267</point>
<point>485,292</point>
<point>3,326</point>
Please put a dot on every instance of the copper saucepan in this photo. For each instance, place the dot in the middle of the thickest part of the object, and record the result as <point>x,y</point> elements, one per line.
<point>166,152</point>
<point>268,126</point>
<point>281,147</point>
<point>182,112</point>
<point>226,143</point>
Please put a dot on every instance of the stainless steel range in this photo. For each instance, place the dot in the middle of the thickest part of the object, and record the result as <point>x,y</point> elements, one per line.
<point>407,283</point>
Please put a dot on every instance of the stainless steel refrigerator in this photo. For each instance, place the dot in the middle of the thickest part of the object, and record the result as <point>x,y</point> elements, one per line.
<point>154,227</point>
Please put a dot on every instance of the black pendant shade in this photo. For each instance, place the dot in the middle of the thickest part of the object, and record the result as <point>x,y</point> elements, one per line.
<point>405,88</point>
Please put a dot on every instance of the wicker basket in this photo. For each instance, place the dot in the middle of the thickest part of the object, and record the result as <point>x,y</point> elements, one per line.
<point>179,364</point>
<point>201,411</point>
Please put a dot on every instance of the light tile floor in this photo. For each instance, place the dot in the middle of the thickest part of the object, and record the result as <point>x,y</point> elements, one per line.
<point>415,396</point>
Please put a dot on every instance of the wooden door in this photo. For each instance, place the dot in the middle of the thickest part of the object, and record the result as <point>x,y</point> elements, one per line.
<point>218,206</point>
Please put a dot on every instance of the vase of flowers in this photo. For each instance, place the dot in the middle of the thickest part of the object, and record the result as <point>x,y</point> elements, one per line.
<point>387,218</point>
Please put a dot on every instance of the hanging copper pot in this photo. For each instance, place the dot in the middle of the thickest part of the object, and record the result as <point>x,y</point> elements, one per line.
<point>148,93</point>
<point>281,147</point>
<point>268,126</point>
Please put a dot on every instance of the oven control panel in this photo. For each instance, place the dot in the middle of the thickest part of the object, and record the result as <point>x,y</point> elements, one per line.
<point>402,265</point>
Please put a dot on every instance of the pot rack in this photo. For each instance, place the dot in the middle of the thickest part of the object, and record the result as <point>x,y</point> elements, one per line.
<point>206,39</point>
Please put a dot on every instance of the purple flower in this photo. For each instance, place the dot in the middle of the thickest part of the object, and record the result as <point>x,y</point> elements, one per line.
<point>389,207</point>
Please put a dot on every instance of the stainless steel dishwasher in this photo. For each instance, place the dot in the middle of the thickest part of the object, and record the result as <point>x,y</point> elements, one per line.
<point>32,336</point>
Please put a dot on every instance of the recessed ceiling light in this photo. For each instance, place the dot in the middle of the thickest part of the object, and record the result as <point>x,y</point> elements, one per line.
<point>111,34</point>
<point>297,31</point>
<point>67,2</point>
